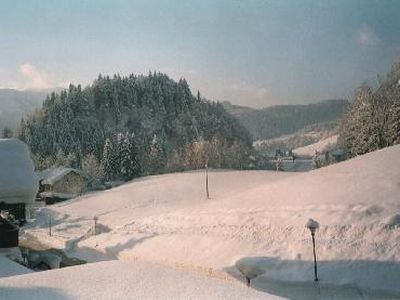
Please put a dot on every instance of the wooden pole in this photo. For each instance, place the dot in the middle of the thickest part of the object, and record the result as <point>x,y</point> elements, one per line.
<point>94,229</point>
<point>49,224</point>
<point>207,192</point>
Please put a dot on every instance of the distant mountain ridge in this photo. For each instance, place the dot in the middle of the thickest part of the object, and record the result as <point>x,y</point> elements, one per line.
<point>279,120</point>
<point>15,104</point>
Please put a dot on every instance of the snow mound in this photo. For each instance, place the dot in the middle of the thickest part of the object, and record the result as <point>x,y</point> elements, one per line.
<point>122,280</point>
<point>321,146</point>
<point>393,221</point>
<point>18,182</point>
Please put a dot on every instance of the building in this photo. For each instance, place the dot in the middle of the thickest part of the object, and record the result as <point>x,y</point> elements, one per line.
<point>18,187</point>
<point>58,184</point>
<point>338,155</point>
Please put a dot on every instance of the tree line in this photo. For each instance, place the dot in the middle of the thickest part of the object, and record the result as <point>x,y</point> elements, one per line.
<point>373,120</point>
<point>119,128</point>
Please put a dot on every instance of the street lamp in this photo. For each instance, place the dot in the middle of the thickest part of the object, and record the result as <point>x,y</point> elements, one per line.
<point>313,225</point>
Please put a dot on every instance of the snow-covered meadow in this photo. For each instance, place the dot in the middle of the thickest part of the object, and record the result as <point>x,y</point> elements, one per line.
<point>321,146</point>
<point>253,225</point>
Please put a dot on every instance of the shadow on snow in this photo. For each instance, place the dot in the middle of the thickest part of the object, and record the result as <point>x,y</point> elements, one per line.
<point>338,279</point>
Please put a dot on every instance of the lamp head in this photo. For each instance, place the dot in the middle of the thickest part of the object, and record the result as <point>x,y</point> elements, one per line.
<point>312,225</point>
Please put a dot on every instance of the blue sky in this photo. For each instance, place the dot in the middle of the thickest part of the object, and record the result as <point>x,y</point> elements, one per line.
<point>255,53</point>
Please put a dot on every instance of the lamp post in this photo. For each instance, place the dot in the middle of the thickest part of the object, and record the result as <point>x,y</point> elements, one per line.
<point>313,225</point>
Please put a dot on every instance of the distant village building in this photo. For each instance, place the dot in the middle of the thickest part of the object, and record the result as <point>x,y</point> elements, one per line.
<point>18,187</point>
<point>57,184</point>
<point>338,155</point>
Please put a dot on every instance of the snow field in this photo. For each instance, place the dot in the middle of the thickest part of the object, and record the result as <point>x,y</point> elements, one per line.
<point>252,215</point>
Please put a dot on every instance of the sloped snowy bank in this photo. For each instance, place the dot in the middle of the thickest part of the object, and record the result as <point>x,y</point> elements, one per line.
<point>168,219</point>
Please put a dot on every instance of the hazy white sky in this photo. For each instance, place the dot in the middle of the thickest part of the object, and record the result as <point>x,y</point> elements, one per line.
<point>255,53</point>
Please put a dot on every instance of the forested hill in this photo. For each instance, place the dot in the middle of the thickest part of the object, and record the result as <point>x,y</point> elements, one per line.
<point>127,126</point>
<point>275,121</point>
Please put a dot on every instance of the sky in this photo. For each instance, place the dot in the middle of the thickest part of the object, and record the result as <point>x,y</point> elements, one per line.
<point>249,52</point>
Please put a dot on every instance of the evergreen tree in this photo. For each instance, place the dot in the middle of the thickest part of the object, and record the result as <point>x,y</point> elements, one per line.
<point>7,133</point>
<point>361,129</point>
<point>317,160</point>
<point>109,160</point>
<point>157,154</point>
<point>129,165</point>
<point>78,122</point>
<point>394,123</point>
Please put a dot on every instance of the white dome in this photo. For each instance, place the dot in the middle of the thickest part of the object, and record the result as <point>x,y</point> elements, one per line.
<point>18,182</point>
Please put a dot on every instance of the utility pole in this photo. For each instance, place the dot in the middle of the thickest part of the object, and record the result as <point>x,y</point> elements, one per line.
<point>207,192</point>
<point>94,228</point>
<point>49,224</point>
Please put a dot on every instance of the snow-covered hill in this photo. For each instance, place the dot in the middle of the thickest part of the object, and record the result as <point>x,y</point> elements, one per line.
<point>320,146</point>
<point>253,221</point>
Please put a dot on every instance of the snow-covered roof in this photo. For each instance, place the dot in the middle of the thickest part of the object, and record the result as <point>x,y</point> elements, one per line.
<point>57,195</point>
<point>338,152</point>
<point>11,268</point>
<point>18,182</point>
<point>52,175</point>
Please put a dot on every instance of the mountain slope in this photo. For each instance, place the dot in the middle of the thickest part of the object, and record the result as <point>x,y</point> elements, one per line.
<point>17,104</point>
<point>275,121</point>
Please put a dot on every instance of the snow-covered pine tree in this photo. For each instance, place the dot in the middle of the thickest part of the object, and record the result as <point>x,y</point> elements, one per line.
<point>279,163</point>
<point>158,157</point>
<point>360,130</point>
<point>60,159</point>
<point>317,160</point>
<point>109,160</point>
<point>128,157</point>
<point>7,133</point>
<point>394,123</point>
<point>393,120</point>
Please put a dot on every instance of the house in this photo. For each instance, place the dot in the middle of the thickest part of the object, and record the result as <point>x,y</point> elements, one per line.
<point>18,187</point>
<point>57,184</point>
<point>338,154</point>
